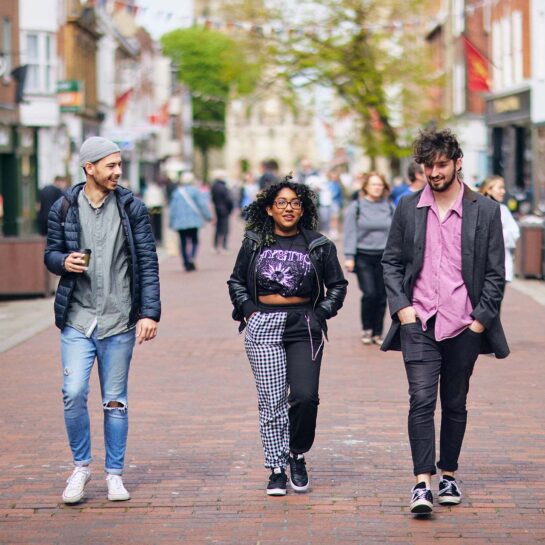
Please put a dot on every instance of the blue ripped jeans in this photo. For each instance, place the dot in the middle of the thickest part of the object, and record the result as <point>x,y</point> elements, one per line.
<point>113,355</point>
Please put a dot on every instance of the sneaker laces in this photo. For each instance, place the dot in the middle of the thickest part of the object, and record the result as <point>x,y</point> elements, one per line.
<point>419,493</point>
<point>115,484</point>
<point>448,487</point>
<point>78,477</point>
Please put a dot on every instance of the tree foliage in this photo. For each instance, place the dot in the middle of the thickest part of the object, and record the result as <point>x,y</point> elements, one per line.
<point>366,52</point>
<point>214,67</point>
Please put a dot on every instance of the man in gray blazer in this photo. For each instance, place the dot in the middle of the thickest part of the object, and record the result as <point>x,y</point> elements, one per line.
<point>444,276</point>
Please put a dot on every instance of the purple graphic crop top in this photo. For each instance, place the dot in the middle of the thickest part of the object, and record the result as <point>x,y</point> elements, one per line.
<point>285,268</point>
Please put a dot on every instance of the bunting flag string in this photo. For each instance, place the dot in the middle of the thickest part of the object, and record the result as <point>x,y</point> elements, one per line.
<point>268,29</point>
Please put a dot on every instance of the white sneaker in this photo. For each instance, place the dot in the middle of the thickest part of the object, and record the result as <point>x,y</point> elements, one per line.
<point>116,490</point>
<point>367,336</point>
<point>75,489</point>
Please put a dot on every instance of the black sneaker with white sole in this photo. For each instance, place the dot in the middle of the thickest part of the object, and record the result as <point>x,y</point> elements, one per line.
<point>277,482</point>
<point>298,473</point>
<point>449,491</point>
<point>421,499</point>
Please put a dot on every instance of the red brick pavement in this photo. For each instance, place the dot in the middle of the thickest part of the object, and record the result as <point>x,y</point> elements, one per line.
<point>194,461</point>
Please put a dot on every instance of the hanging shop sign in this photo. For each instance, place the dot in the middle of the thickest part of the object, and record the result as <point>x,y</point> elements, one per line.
<point>70,94</point>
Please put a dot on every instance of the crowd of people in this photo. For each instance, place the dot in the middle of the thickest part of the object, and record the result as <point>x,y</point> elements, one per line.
<point>434,251</point>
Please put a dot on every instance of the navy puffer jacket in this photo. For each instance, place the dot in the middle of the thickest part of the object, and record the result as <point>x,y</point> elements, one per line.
<point>63,238</point>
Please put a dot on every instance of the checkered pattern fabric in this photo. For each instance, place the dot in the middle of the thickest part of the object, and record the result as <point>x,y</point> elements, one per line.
<point>267,355</point>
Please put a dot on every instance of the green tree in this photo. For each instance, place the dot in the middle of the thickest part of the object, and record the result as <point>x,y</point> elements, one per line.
<point>214,67</point>
<point>368,53</point>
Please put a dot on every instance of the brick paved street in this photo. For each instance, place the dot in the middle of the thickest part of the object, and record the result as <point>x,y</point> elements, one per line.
<point>194,460</point>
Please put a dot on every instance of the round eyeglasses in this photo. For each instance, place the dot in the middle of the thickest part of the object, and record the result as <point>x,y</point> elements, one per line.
<point>283,203</point>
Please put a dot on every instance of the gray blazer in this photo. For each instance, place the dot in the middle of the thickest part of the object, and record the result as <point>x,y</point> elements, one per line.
<point>483,264</point>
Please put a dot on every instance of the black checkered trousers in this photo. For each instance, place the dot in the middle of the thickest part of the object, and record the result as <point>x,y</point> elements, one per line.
<point>265,346</point>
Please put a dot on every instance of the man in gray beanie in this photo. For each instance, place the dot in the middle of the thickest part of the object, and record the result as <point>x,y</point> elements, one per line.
<point>100,243</point>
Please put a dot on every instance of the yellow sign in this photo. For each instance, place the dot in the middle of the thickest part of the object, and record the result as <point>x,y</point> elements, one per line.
<point>507,104</point>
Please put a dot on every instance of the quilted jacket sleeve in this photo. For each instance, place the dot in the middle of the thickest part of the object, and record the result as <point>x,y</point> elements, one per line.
<point>55,250</point>
<point>148,265</point>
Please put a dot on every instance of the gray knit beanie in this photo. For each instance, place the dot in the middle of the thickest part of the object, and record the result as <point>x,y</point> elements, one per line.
<point>96,148</point>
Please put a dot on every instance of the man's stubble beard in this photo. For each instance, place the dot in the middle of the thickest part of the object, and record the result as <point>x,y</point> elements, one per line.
<point>446,185</point>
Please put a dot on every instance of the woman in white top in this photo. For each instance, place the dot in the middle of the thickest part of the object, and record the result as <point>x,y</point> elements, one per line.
<point>494,187</point>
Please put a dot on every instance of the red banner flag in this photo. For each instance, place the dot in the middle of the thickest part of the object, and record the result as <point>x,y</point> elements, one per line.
<point>160,118</point>
<point>121,105</point>
<point>478,73</point>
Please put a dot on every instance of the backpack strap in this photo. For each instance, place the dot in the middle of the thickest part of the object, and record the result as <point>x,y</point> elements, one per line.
<point>65,205</point>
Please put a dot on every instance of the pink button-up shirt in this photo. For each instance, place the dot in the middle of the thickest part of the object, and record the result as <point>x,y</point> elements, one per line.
<point>439,288</point>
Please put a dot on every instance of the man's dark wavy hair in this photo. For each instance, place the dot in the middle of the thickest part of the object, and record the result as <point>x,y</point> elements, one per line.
<point>259,221</point>
<point>432,143</point>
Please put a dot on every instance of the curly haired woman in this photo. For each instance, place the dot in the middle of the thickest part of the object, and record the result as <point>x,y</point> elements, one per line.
<point>287,281</point>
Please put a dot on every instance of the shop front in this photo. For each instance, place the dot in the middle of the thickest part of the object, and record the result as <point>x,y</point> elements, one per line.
<point>509,125</point>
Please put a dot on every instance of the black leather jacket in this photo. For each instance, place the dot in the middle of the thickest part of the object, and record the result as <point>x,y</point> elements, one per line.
<point>330,288</point>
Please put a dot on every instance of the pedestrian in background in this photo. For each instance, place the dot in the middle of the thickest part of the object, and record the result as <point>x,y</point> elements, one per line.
<point>337,202</point>
<point>417,181</point>
<point>444,268</point>
<point>269,174</point>
<point>188,211</point>
<point>223,207</point>
<point>101,304</point>
<point>287,281</point>
<point>248,192</point>
<point>306,171</point>
<point>47,197</point>
<point>366,226</point>
<point>154,199</point>
<point>494,187</point>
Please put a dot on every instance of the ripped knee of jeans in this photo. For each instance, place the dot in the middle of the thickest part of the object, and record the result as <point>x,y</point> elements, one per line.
<point>115,406</point>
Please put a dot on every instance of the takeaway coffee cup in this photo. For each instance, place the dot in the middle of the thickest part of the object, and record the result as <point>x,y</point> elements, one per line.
<point>86,255</point>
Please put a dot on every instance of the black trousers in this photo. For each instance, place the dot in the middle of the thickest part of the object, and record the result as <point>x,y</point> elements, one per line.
<point>189,243</point>
<point>222,231</point>
<point>428,363</point>
<point>303,377</point>
<point>371,284</point>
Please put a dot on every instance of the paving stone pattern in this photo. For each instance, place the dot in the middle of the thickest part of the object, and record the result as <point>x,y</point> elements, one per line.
<point>194,460</point>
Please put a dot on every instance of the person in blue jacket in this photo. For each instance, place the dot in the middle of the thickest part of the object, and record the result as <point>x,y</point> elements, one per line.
<point>188,211</point>
<point>107,297</point>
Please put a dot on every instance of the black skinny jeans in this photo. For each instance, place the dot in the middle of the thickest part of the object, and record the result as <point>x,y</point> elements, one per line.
<point>371,284</point>
<point>428,363</point>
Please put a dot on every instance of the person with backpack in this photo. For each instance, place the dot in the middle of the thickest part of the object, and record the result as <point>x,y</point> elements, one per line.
<point>188,211</point>
<point>366,227</point>
<point>107,297</point>
<point>223,207</point>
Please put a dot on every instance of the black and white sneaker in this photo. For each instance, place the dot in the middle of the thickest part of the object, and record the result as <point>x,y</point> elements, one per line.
<point>421,500</point>
<point>449,491</point>
<point>277,482</point>
<point>298,473</point>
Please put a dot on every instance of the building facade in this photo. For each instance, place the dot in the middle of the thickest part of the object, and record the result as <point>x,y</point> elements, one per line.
<point>10,134</point>
<point>508,112</point>
<point>458,34</point>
